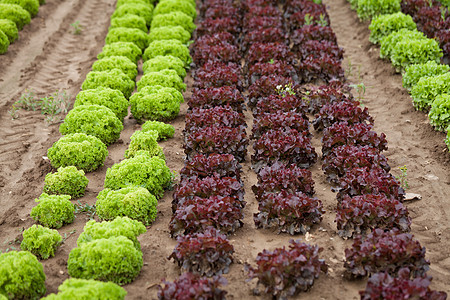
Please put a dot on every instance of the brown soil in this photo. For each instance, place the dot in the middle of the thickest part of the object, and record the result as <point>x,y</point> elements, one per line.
<point>48,57</point>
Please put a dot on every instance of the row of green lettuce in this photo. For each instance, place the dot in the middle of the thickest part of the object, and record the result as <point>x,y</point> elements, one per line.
<point>14,15</point>
<point>109,250</point>
<point>368,9</point>
<point>415,56</point>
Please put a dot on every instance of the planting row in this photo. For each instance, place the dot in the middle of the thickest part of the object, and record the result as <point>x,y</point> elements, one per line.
<point>369,198</point>
<point>417,54</point>
<point>282,144</point>
<point>14,15</point>
<point>209,200</point>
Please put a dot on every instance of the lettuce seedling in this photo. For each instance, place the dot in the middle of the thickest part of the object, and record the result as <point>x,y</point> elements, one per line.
<point>53,211</point>
<point>22,276</point>
<point>133,202</point>
<point>41,241</point>
<point>66,181</point>
<point>83,151</point>
<point>114,259</point>
<point>74,288</point>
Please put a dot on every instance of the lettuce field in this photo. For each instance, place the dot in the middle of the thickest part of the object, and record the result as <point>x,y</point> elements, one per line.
<point>224,149</point>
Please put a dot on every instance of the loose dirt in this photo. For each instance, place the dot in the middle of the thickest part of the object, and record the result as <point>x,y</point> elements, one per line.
<point>48,57</point>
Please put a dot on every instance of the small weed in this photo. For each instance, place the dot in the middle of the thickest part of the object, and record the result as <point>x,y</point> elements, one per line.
<point>286,90</point>
<point>403,177</point>
<point>54,105</point>
<point>443,12</point>
<point>51,106</point>
<point>271,61</point>
<point>308,19</point>
<point>68,235</point>
<point>322,21</point>
<point>28,101</point>
<point>13,112</point>
<point>77,28</point>
<point>85,208</point>
<point>360,89</point>
<point>349,70</point>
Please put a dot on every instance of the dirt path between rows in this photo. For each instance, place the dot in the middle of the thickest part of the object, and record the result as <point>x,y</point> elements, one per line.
<point>63,65</point>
